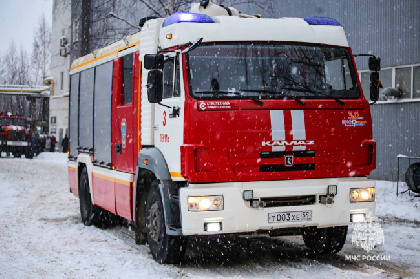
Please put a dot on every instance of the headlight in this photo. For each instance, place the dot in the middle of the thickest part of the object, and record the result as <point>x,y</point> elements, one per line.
<point>362,194</point>
<point>206,203</point>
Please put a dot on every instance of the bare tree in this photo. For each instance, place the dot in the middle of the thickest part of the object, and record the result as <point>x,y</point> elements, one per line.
<point>23,71</point>
<point>9,65</point>
<point>163,8</point>
<point>41,51</point>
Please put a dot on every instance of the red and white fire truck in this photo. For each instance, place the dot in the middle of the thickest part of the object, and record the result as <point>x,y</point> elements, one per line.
<point>15,136</point>
<point>212,122</point>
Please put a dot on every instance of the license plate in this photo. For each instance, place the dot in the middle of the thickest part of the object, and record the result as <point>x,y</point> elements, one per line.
<point>17,143</point>
<point>291,216</point>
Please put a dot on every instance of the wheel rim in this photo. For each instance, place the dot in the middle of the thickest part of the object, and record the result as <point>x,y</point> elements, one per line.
<point>155,223</point>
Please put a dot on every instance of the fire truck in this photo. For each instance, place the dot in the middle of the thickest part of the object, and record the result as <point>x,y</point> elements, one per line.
<point>15,136</point>
<point>213,122</point>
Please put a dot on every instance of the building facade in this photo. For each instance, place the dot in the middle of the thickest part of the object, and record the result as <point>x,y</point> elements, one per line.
<point>60,66</point>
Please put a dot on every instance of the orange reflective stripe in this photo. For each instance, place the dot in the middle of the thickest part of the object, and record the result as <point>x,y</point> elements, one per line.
<point>111,179</point>
<point>104,56</point>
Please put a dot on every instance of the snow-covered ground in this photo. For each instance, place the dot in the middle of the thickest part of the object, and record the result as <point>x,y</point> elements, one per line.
<point>42,236</point>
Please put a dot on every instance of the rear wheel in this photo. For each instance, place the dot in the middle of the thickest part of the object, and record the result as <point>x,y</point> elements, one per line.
<point>165,248</point>
<point>325,240</point>
<point>88,211</point>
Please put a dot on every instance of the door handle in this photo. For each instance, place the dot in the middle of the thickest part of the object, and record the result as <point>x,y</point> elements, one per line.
<point>118,148</point>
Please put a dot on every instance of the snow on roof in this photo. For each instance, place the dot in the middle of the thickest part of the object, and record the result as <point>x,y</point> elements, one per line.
<point>24,89</point>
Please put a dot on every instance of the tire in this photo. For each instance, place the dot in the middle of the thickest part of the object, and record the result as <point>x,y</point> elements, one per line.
<point>325,240</point>
<point>29,153</point>
<point>412,177</point>
<point>88,211</point>
<point>166,249</point>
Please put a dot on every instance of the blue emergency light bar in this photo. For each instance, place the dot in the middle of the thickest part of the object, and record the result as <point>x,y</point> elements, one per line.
<point>187,17</point>
<point>314,20</point>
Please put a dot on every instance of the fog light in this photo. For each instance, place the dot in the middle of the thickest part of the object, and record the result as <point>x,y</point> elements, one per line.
<point>213,227</point>
<point>248,195</point>
<point>356,218</point>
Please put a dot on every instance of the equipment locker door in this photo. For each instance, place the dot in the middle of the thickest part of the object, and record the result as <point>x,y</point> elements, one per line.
<point>125,112</point>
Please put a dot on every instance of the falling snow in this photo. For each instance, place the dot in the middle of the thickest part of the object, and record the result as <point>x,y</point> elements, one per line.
<point>42,236</point>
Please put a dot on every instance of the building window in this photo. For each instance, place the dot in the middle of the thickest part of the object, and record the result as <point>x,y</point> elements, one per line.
<point>75,30</point>
<point>53,120</point>
<point>385,76</point>
<point>416,82</point>
<point>61,80</point>
<point>403,81</point>
<point>127,92</point>
<point>405,78</point>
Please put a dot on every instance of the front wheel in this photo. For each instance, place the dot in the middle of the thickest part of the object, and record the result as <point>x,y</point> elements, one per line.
<point>29,154</point>
<point>167,249</point>
<point>325,240</point>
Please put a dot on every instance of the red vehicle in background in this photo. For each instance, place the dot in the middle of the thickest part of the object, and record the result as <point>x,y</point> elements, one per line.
<point>15,136</point>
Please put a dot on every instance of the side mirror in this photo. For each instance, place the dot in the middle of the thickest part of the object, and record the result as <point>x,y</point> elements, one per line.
<point>374,63</point>
<point>374,86</point>
<point>155,86</point>
<point>153,61</point>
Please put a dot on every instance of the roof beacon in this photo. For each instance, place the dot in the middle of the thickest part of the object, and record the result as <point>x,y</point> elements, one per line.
<point>314,20</point>
<point>187,17</point>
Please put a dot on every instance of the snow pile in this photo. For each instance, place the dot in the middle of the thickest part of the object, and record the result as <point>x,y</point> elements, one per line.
<point>388,205</point>
<point>42,236</point>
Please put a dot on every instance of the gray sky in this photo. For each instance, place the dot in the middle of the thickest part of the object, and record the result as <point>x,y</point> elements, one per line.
<point>18,20</point>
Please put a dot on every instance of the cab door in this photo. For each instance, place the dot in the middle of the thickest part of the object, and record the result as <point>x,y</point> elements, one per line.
<point>169,115</point>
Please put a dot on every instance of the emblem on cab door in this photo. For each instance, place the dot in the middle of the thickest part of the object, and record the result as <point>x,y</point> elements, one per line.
<point>288,160</point>
<point>123,132</point>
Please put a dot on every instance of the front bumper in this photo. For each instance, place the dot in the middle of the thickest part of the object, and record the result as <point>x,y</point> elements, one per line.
<point>16,143</point>
<point>239,217</point>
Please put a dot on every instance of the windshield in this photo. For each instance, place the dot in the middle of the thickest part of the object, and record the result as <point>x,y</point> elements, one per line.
<point>12,121</point>
<point>5,121</point>
<point>19,122</point>
<point>271,71</point>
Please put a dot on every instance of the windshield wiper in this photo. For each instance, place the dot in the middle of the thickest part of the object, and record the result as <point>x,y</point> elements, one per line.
<point>256,100</point>
<point>297,99</point>
<point>316,93</point>
<point>272,92</point>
